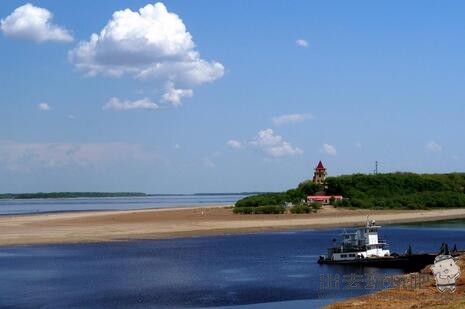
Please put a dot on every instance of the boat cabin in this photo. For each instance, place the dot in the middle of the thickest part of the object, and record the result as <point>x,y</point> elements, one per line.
<point>362,243</point>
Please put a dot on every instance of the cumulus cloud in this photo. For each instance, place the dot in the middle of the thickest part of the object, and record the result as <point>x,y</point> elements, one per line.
<point>301,43</point>
<point>29,22</point>
<point>43,106</point>
<point>29,156</point>
<point>118,105</point>
<point>234,144</point>
<point>174,96</point>
<point>432,146</point>
<point>274,145</point>
<point>291,118</point>
<point>151,43</point>
<point>329,149</point>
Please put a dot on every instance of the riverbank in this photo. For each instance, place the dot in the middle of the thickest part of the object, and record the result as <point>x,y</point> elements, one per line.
<point>427,296</point>
<point>183,222</point>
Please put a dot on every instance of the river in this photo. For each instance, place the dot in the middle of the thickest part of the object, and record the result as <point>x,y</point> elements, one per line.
<point>264,270</point>
<point>31,206</point>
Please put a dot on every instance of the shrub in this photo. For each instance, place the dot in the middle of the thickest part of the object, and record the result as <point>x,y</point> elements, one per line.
<point>273,209</point>
<point>300,209</point>
<point>316,206</point>
<point>270,209</point>
<point>262,200</point>
<point>244,210</point>
<point>343,203</point>
<point>293,195</point>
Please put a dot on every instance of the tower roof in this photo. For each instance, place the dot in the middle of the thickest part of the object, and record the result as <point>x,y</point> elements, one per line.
<point>320,166</point>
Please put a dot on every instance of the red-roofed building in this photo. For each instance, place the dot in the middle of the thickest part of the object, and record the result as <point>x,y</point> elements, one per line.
<point>319,176</point>
<point>323,199</point>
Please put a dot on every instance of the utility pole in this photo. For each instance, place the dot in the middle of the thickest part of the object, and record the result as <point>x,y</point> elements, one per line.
<point>376,168</point>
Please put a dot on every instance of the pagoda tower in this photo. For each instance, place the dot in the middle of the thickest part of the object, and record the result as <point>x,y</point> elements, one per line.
<point>320,174</point>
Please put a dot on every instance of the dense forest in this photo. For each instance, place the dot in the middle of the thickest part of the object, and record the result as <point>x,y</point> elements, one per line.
<point>68,195</point>
<point>393,190</point>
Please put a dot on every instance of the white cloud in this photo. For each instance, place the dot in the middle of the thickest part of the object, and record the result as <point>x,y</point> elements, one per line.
<point>301,43</point>
<point>209,161</point>
<point>432,146</point>
<point>43,106</point>
<point>174,96</point>
<point>234,144</point>
<point>329,149</point>
<point>189,72</point>
<point>271,144</point>
<point>151,43</point>
<point>117,104</point>
<point>29,156</point>
<point>291,118</point>
<point>274,145</point>
<point>29,22</point>
<point>177,146</point>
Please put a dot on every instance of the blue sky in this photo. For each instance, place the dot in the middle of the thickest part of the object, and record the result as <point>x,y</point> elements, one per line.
<point>237,105</point>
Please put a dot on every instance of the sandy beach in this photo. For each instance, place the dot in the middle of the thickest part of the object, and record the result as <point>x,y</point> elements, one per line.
<point>180,222</point>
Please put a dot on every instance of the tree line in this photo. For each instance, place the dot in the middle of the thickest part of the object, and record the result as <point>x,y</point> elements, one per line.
<point>382,191</point>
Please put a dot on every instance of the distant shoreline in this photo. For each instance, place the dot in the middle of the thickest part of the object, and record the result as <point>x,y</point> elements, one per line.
<point>52,195</point>
<point>210,194</point>
<point>85,227</point>
<point>65,195</point>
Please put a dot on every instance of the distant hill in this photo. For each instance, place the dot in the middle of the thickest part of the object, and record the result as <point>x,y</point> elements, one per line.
<point>392,190</point>
<point>68,195</point>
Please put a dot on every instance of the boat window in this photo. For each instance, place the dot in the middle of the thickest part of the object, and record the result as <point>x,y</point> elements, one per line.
<point>351,255</point>
<point>343,255</point>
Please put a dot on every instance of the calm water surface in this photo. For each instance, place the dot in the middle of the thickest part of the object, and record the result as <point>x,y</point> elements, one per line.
<point>268,270</point>
<point>31,206</point>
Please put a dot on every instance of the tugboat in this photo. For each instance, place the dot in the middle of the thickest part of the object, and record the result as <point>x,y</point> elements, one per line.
<point>364,247</point>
